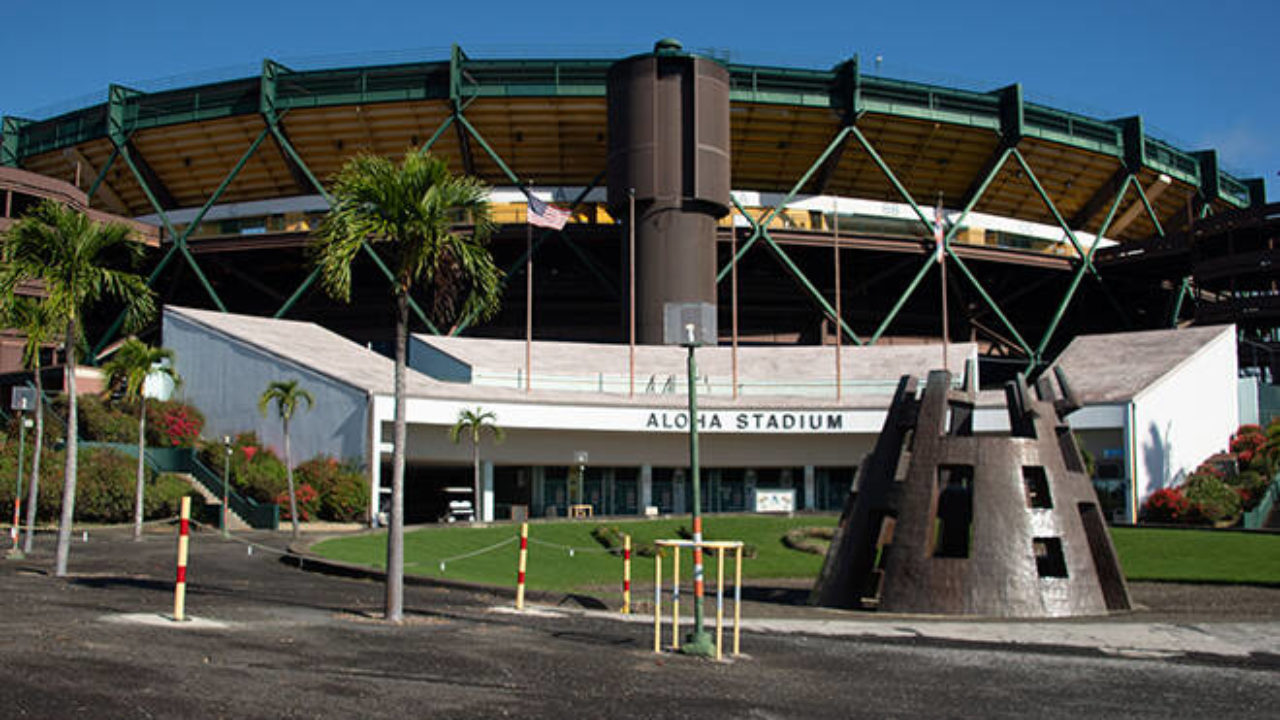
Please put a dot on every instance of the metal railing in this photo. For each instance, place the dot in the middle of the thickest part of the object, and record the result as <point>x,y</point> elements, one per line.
<point>262,516</point>
<point>1257,517</point>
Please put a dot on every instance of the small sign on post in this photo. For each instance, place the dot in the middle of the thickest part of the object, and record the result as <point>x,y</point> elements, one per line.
<point>23,399</point>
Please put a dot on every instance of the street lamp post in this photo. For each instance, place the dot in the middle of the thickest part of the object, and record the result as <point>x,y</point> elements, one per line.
<point>14,552</point>
<point>226,477</point>
<point>22,399</point>
<point>691,325</point>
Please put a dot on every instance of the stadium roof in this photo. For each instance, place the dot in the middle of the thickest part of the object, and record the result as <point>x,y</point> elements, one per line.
<point>508,121</point>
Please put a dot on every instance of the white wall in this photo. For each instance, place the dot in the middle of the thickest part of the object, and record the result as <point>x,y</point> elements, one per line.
<point>1185,417</point>
<point>224,378</point>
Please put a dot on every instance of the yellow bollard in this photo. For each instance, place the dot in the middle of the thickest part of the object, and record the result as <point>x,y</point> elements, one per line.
<point>657,601</point>
<point>737,597</point>
<point>524,558</point>
<point>180,587</point>
<point>719,603</point>
<point>626,574</point>
<point>675,597</point>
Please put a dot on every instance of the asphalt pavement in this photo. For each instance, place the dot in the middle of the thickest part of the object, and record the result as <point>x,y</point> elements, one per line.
<point>268,639</point>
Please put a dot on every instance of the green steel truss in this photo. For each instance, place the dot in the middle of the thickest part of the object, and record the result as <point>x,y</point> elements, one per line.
<point>461,81</point>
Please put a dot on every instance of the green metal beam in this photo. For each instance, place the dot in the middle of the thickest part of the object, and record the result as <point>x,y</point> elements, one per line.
<point>893,179</point>
<point>992,169</point>
<point>1183,290</point>
<point>297,294</point>
<point>1035,182</point>
<point>836,142</point>
<point>102,174</point>
<point>964,268</point>
<point>11,140</point>
<point>1150,210</point>
<point>817,297</point>
<point>902,299</point>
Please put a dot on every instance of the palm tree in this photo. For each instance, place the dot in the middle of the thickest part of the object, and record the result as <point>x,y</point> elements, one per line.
<point>473,423</point>
<point>130,366</point>
<point>68,253</point>
<point>286,394</point>
<point>32,318</point>
<point>410,209</point>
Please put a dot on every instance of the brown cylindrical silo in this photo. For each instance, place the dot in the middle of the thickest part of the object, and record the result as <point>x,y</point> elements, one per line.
<point>669,142</point>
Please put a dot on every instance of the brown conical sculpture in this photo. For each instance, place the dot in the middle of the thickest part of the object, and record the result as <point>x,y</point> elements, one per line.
<point>943,520</point>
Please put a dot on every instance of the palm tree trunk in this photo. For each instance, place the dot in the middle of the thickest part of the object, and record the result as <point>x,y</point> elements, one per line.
<point>475,464</point>
<point>142,449</point>
<point>33,488</point>
<point>63,551</point>
<point>288,471</point>
<point>395,534</point>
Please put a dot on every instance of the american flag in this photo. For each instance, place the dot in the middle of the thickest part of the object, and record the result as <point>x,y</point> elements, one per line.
<point>938,234</point>
<point>541,214</point>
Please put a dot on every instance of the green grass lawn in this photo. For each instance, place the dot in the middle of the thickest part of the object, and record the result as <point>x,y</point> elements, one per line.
<point>1146,554</point>
<point>1198,555</point>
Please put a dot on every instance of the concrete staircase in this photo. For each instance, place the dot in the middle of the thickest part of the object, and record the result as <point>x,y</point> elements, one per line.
<point>234,521</point>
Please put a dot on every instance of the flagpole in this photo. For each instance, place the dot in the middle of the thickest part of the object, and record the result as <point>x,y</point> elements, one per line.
<point>733,302</point>
<point>942,263</point>
<point>835,224</point>
<point>631,283</point>
<point>528,304</point>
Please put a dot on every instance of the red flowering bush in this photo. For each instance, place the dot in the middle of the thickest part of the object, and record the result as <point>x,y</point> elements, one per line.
<point>308,502</point>
<point>249,452</point>
<point>1167,505</point>
<point>1246,442</point>
<point>343,488</point>
<point>174,424</point>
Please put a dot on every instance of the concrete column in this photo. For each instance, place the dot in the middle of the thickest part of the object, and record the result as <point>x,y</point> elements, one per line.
<point>810,488</point>
<point>538,493</point>
<point>486,491</point>
<point>677,491</point>
<point>646,487</point>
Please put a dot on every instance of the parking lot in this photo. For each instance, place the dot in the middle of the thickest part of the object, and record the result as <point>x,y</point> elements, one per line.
<point>269,640</point>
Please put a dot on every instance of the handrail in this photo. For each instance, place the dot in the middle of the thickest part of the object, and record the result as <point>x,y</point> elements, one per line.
<point>263,516</point>
<point>1257,517</point>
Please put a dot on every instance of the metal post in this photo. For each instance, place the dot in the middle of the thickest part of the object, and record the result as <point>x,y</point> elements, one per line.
<point>699,641</point>
<point>835,227</point>
<point>528,307</point>
<point>940,239</point>
<point>226,477</point>
<point>733,291</point>
<point>631,284</point>
<point>14,552</point>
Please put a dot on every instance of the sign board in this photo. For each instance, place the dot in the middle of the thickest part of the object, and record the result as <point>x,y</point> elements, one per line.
<point>689,324</point>
<point>24,399</point>
<point>775,500</point>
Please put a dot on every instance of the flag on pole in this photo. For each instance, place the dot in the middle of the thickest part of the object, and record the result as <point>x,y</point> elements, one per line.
<point>541,214</point>
<point>938,234</point>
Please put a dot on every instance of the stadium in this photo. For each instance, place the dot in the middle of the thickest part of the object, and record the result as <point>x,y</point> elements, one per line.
<point>812,207</point>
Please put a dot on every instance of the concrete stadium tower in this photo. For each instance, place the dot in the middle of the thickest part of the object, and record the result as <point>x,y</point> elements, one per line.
<point>669,142</point>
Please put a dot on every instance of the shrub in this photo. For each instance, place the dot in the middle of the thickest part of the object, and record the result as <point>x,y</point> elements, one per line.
<point>308,502</point>
<point>102,421</point>
<point>105,485</point>
<point>172,424</point>
<point>1251,486</point>
<point>164,495</point>
<point>342,487</point>
<point>1167,505</point>
<point>1212,499</point>
<point>816,540</point>
<point>255,471</point>
<point>51,464</point>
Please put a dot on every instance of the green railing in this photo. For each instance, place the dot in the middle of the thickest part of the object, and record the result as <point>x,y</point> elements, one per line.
<point>263,516</point>
<point>1257,517</point>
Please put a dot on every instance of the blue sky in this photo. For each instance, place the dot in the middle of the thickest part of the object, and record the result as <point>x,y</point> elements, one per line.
<point>1201,74</point>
